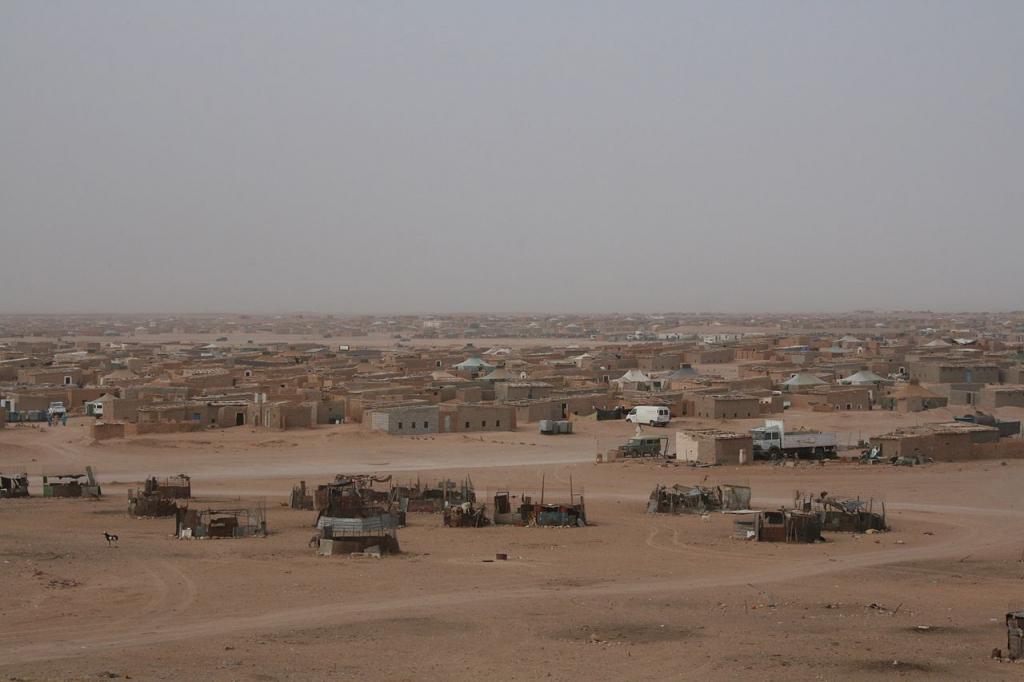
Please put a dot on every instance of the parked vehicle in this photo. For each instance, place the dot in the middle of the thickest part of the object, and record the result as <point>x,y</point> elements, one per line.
<point>644,446</point>
<point>772,441</point>
<point>651,415</point>
<point>57,409</point>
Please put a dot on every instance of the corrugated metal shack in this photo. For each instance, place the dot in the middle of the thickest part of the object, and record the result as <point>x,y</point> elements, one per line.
<point>14,485</point>
<point>354,535</point>
<point>352,497</point>
<point>240,522</point>
<point>686,499</point>
<point>353,517</point>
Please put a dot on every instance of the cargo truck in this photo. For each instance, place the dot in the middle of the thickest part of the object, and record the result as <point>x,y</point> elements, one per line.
<point>772,441</point>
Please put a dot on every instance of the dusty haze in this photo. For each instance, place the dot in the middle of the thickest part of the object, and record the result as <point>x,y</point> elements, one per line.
<point>383,157</point>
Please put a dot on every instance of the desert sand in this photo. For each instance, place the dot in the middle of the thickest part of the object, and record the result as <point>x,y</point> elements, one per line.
<point>633,596</point>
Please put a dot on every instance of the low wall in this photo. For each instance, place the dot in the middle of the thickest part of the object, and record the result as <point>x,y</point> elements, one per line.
<point>1004,449</point>
<point>143,429</point>
<point>101,431</point>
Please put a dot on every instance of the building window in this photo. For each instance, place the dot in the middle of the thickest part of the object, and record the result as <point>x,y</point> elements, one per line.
<point>425,425</point>
<point>467,425</point>
<point>399,424</point>
<point>497,422</point>
<point>483,424</point>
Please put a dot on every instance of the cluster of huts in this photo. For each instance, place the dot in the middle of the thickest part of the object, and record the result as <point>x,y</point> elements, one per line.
<point>810,515</point>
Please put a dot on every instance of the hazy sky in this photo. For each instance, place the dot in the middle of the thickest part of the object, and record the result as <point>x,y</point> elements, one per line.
<point>517,156</point>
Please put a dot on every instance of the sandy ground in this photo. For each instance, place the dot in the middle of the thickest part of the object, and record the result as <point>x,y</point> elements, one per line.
<point>634,596</point>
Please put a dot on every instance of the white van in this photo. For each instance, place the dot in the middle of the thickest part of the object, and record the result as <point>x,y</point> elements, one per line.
<point>652,415</point>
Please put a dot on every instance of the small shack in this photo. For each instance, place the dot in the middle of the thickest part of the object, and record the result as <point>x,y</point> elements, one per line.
<point>685,499</point>
<point>713,446</point>
<point>70,485</point>
<point>14,485</point>
<point>1015,635</point>
<point>354,517</point>
<point>357,535</point>
<point>240,522</point>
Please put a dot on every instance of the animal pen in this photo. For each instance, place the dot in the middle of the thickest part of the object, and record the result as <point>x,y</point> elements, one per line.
<point>241,522</point>
<point>529,513</point>
<point>843,515</point>
<point>417,497</point>
<point>302,497</point>
<point>173,487</point>
<point>358,535</point>
<point>143,504</point>
<point>351,497</point>
<point>686,499</point>
<point>466,515</point>
<point>784,525</point>
<point>13,485</point>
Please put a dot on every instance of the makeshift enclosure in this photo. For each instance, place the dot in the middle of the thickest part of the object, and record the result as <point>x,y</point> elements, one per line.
<point>238,522</point>
<point>465,515</point>
<point>843,514</point>
<point>419,497</point>
<point>374,534</point>
<point>13,485</point>
<point>530,513</point>
<point>1015,635</point>
<point>70,485</point>
<point>142,503</point>
<point>173,487</point>
<point>684,499</point>
<point>352,496</point>
<point>355,517</point>
<point>784,525</point>
<point>302,497</point>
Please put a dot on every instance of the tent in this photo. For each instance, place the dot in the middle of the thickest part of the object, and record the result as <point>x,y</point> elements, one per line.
<point>473,363</point>
<point>803,380</point>
<point>863,378</point>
